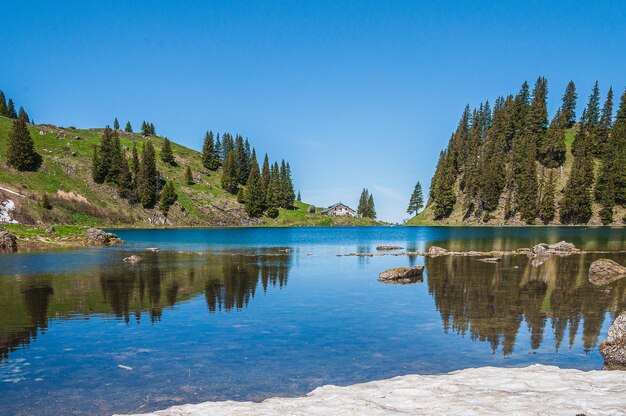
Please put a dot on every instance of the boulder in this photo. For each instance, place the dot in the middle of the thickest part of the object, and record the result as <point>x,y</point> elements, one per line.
<point>388,248</point>
<point>96,236</point>
<point>605,271</point>
<point>8,242</point>
<point>539,251</point>
<point>613,349</point>
<point>562,247</point>
<point>402,275</point>
<point>133,259</point>
<point>435,251</point>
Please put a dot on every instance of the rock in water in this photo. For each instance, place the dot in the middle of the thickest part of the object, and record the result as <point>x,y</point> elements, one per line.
<point>8,242</point>
<point>613,349</point>
<point>491,260</point>
<point>435,251</point>
<point>99,237</point>
<point>388,248</point>
<point>539,251</point>
<point>562,247</point>
<point>605,271</point>
<point>402,275</point>
<point>133,259</point>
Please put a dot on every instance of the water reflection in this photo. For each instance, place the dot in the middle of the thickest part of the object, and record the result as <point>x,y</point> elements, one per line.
<point>228,281</point>
<point>490,302</point>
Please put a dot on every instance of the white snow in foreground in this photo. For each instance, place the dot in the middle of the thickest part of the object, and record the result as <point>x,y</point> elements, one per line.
<point>5,212</point>
<point>537,389</point>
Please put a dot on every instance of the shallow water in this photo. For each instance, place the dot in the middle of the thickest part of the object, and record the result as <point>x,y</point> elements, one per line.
<point>231,314</point>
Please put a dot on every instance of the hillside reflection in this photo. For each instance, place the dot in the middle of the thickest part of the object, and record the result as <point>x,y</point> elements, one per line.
<point>490,302</point>
<point>134,292</point>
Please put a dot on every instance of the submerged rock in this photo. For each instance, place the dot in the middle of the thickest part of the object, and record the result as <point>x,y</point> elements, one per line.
<point>562,247</point>
<point>605,271</point>
<point>8,242</point>
<point>435,251</point>
<point>388,248</point>
<point>133,259</point>
<point>613,349</point>
<point>491,260</point>
<point>98,237</point>
<point>402,275</point>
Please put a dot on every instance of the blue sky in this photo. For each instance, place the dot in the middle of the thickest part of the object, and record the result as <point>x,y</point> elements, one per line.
<point>353,94</point>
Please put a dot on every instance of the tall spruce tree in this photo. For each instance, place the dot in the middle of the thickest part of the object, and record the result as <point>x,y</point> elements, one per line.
<point>210,159</point>
<point>188,176</point>
<point>4,111</point>
<point>128,128</point>
<point>230,182</point>
<point>167,198</point>
<point>617,144</point>
<point>552,152</point>
<point>299,197</point>
<point>576,207</point>
<point>254,196</point>
<point>147,177</point>
<point>604,126</point>
<point>21,153</point>
<point>11,113</point>
<point>547,208</point>
<point>116,124</point>
<point>167,155</point>
<point>416,203</point>
<point>265,173</point>
<point>218,149</point>
<point>568,108</point>
<point>362,207</point>
<point>23,115</point>
<point>273,189</point>
<point>444,195</point>
<point>371,209</point>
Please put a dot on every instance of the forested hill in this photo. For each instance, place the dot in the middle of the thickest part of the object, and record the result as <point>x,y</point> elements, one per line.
<point>511,165</point>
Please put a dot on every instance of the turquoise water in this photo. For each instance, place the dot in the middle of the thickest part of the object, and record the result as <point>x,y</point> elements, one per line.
<point>245,314</point>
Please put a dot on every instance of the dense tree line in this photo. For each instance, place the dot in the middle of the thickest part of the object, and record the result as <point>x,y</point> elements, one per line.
<point>366,208</point>
<point>7,109</point>
<point>511,157</point>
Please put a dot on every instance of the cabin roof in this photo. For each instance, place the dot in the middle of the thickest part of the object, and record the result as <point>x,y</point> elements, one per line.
<point>338,204</point>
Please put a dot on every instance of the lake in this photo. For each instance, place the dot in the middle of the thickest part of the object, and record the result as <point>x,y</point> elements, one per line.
<point>246,314</point>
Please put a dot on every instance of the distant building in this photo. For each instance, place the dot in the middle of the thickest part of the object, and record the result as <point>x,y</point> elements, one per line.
<point>340,210</point>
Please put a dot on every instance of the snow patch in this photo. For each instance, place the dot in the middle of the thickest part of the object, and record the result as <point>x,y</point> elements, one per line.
<point>6,208</point>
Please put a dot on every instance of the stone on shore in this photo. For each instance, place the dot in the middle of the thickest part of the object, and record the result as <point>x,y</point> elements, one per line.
<point>534,390</point>
<point>435,251</point>
<point>133,259</point>
<point>605,271</point>
<point>96,236</point>
<point>8,242</point>
<point>388,248</point>
<point>402,275</point>
<point>613,349</point>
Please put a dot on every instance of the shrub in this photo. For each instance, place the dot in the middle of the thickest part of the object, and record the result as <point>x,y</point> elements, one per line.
<point>312,209</point>
<point>272,212</point>
<point>45,202</point>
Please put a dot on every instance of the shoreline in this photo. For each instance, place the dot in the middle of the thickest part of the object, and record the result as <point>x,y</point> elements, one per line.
<point>536,389</point>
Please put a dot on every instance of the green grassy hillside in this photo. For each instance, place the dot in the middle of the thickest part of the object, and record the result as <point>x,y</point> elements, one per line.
<point>65,177</point>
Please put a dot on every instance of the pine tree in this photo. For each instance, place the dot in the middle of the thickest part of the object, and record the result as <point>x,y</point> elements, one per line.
<point>188,176</point>
<point>617,144</point>
<point>97,172</point>
<point>23,115</point>
<point>362,208</point>
<point>125,183</point>
<point>135,160</point>
<point>152,129</point>
<point>371,209</point>
<point>21,153</point>
<point>229,173</point>
<point>604,126</point>
<point>147,177</point>
<point>273,189</point>
<point>241,161</point>
<point>4,111</point>
<point>168,197</point>
<point>416,203</point>
<point>166,153</point>
<point>265,173</point>
<point>210,159</point>
<point>547,209</point>
<point>218,149</point>
<point>128,128</point>
<point>568,108</point>
<point>241,196</point>
<point>591,120</point>
<point>576,205</point>
<point>254,197</point>
<point>116,124</point>
<point>287,194</point>
<point>45,202</point>
<point>553,151</point>
<point>444,196</point>
<point>11,109</point>
<point>299,198</point>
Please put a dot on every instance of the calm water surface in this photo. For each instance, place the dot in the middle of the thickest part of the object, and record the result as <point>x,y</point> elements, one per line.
<point>245,314</point>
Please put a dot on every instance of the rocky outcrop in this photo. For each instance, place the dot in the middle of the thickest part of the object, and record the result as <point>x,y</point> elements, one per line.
<point>435,251</point>
<point>613,349</point>
<point>8,242</point>
<point>133,259</point>
<point>542,251</point>
<point>96,236</point>
<point>605,271</point>
<point>562,248</point>
<point>388,248</point>
<point>402,275</point>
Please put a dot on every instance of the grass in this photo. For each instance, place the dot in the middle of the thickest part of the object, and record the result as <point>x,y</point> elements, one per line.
<point>300,216</point>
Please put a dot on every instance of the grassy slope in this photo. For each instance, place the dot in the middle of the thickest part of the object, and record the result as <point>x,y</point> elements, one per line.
<point>426,217</point>
<point>66,168</point>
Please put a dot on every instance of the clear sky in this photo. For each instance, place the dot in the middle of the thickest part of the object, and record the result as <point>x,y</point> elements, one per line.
<point>353,94</point>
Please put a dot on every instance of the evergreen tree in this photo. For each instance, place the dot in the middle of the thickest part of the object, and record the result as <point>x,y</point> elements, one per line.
<point>553,151</point>
<point>444,195</point>
<point>97,170</point>
<point>604,126</point>
<point>23,115</point>
<point>188,176</point>
<point>254,197</point>
<point>617,144</point>
<point>21,153</point>
<point>210,159</point>
<point>229,173</point>
<point>11,109</point>
<point>265,173</point>
<point>576,204</point>
<point>168,197</point>
<point>167,155</point>
<point>218,149</point>
<point>125,183</point>
<point>273,189</point>
<point>371,209</point>
<point>241,161</point>
<point>4,111</point>
<point>299,198</point>
<point>547,208</point>
<point>241,196</point>
<point>362,208</point>
<point>147,177</point>
<point>416,203</point>
<point>128,128</point>
<point>135,160</point>
<point>152,129</point>
<point>568,108</point>
<point>287,195</point>
<point>45,202</point>
<point>591,120</point>
<point>116,124</point>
